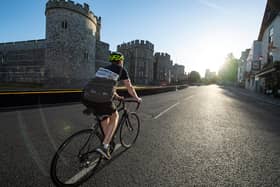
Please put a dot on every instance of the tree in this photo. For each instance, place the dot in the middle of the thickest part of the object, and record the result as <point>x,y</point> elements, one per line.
<point>228,72</point>
<point>194,76</point>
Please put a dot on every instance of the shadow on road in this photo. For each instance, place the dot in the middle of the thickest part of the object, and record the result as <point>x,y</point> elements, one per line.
<point>265,116</point>
<point>107,162</point>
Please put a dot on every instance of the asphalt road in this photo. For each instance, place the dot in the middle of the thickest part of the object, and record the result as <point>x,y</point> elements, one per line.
<point>205,135</point>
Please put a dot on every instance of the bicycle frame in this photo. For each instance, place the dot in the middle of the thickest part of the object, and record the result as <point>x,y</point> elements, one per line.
<point>120,122</point>
<point>121,119</point>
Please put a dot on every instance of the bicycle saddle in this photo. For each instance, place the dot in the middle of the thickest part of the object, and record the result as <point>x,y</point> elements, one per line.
<point>89,111</point>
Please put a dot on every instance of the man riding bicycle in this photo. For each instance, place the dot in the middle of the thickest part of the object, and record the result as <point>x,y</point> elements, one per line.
<point>99,93</point>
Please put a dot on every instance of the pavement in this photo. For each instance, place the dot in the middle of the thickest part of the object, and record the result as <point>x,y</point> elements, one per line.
<point>199,136</point>
<point>258,96</point>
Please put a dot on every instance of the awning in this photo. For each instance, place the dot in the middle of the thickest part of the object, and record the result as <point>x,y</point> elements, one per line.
<point>265,72</point>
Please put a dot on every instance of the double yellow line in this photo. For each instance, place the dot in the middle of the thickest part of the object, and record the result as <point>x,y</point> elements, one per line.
<point>66,91</point>
<point>40,92</point>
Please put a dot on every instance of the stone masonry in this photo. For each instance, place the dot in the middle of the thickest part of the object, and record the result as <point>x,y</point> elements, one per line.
<point>138,60</point>
<point>66,58</point>
<point>22,61</point>
<point>72,51</point>
<point>162,68</point>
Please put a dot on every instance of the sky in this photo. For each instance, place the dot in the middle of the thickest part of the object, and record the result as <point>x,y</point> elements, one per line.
<point>196,33</point>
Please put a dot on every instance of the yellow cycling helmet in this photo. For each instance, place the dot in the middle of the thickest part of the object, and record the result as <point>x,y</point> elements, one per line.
<point>116,56</point>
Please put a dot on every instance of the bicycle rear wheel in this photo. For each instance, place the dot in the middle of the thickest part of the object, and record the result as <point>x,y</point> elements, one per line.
<point>76,160</point>
<point>129,130</point>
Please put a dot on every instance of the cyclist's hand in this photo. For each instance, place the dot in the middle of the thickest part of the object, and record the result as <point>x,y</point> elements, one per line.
<point>119,97</point>
<point>139,100</point>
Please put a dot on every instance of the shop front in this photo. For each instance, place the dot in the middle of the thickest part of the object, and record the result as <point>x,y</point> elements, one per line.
<point>270,76</point>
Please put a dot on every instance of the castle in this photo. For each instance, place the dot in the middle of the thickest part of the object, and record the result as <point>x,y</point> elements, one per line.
<point>66,58</point>
<point>139,59</point>
<point>72,51</point>
<point>146,67</point>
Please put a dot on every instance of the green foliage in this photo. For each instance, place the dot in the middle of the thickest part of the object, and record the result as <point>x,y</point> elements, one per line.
<point>228,71</point>
<point>194,76</point>
<point>212,80</point>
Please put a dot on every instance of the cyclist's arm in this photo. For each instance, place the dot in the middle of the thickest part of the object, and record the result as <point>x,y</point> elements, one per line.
<point>117,96</point>
<point>130,89</point>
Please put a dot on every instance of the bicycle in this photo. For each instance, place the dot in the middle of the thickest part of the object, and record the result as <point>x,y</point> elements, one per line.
<point>84,148</point>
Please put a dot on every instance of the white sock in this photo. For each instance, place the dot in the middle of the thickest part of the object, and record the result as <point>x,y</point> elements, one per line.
<point>106,146</point>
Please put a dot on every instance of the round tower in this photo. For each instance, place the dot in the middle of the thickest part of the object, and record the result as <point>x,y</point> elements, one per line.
<point>70,44</point>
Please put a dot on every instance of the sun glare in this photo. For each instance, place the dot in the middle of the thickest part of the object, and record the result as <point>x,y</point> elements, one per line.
<point>210,53</point>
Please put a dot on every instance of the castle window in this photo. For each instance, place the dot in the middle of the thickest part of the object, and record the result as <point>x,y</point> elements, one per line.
<point>64,24</point>
<point>2,60</point>
<point>86,56</point>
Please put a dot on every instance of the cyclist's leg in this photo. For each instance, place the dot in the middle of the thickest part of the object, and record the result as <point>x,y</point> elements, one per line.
<point>113,122</point>
<point>105,125</point>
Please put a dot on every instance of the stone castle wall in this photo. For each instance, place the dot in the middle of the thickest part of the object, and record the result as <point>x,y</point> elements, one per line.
<point>138,60</point>
<point>163,67</point>
<point>71,44</point>
<point>66,58</point>
<point>178,73</point>
<point>102,54</point>
<point>22,62</point>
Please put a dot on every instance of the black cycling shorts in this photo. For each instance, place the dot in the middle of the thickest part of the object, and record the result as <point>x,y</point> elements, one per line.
<point>100,109</point>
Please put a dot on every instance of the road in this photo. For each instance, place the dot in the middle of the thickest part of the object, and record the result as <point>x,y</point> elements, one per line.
<point>206,135</point>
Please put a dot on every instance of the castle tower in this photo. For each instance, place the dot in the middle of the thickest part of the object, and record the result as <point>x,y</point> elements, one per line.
<point>71,31</point>
<point>138,55</point>
<point>162,68</point>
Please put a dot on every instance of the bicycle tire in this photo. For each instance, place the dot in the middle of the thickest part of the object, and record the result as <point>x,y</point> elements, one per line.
<point>88,160</point>
<point>131,124</point>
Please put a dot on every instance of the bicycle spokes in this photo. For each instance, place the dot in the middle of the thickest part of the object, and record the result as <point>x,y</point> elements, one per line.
<point>128,125</point>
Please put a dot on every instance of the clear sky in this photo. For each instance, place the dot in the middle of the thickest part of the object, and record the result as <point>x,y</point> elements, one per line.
<point>196,33</point>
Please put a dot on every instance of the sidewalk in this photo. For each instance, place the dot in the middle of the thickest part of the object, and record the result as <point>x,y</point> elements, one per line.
<point>257,96</point>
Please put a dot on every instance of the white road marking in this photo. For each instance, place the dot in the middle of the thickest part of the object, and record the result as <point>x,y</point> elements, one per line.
<point>117,146</point>
<point>83,172</point>
<point>169,108</point>
<point>166,110</point>
<point>29,144</point>
<point>187,98</point>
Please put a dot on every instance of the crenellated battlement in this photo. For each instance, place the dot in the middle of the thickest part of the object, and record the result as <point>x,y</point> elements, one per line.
<point>24,44</point>
<point>158,54</point>
<point>136,43</point>
<point>76,7</point>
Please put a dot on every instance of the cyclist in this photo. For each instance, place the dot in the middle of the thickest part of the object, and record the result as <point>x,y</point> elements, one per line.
<point>99,93</point>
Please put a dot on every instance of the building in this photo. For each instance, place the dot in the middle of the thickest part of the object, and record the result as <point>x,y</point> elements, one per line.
<point>178,74</point>
<point>66,58</point>
<point>242,67</point>
<point>253,66</point>
<point>138,60</point>
<point>162,68</point>
<point>210,76</point>
<point>269,74</point>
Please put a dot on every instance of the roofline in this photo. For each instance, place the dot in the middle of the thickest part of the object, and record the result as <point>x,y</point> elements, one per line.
<point>272,9</point>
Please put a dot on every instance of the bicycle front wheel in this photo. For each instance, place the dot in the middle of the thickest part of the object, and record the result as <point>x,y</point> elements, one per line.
<point>75,160</point>
<point>129,130</point>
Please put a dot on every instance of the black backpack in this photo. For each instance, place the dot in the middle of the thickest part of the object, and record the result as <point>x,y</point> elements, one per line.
<point>99,90</point>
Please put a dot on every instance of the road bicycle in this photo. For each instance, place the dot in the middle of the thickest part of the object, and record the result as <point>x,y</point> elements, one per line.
<point>76,159</point>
